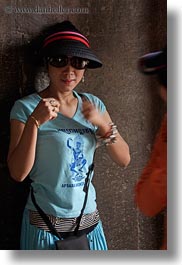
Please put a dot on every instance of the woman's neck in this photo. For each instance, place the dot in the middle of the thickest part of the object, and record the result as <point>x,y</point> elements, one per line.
<point>62,97</point>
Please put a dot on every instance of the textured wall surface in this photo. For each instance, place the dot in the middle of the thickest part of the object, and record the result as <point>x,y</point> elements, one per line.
<point>119,31</point>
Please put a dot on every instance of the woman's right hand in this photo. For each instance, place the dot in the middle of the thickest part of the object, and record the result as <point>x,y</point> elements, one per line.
<point>46,110</point>
<point>22,149</point>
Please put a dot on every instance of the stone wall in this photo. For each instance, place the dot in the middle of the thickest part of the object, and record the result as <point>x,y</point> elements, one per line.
<point>119,31</point>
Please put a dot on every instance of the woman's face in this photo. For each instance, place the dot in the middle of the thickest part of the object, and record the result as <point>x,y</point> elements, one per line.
<point>64,78</point>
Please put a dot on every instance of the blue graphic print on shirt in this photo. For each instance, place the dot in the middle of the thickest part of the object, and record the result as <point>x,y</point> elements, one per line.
<point>78,160</point>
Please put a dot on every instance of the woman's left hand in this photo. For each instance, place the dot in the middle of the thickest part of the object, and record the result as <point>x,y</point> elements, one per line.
<point>91,113</point>
<point>119,151</point>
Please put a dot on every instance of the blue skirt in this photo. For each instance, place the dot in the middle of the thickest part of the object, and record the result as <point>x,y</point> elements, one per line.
<point>33,238</point>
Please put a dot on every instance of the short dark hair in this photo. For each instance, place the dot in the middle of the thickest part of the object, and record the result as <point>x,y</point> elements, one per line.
<point>155,63</point>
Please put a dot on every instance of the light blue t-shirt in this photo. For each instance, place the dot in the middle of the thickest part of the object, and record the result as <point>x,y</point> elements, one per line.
<point>64,151</point>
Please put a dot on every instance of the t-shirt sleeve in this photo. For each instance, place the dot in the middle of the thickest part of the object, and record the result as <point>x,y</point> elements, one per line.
<point>100,105</point>
<point>19,112</point>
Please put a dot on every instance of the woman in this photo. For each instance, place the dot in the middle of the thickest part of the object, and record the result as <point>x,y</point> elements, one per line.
<point>53,140</point>
<point>151,188</point>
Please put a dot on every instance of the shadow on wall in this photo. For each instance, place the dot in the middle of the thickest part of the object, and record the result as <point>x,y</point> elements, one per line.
<point>12,194</point>
<point>20,76</point>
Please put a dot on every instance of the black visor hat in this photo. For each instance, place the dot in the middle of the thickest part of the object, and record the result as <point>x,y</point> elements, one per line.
<point>66,40</point>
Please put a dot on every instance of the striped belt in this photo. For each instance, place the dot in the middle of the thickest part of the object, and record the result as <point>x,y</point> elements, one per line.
<point>64,224</point>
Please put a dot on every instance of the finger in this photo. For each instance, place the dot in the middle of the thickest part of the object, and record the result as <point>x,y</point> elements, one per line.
<point>52,101</point>
<point>53,116</point>
<point>55,109</point>
<point>87,108</point>
<point>89,105</point>
<point>52,107</point>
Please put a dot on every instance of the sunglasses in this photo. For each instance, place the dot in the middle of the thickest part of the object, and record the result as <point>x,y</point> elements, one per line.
<point>62,61</point>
